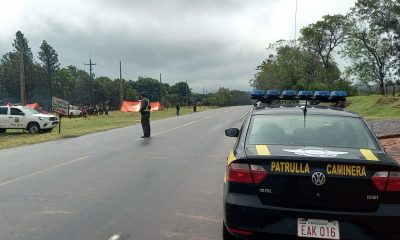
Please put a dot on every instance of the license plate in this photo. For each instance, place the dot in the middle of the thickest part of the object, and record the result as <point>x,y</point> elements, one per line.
<point>317,228</point>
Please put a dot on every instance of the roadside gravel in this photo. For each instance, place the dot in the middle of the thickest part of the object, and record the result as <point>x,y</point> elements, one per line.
<point>385,127</point>
<point>389,133</point>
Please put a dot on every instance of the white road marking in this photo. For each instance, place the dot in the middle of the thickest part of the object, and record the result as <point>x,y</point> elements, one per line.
<point>195,199</point>
<point>153,157</point>
<point>199,193</point>
<point>56,212</point>
<point>220,160</point>
<point>244,115</point>
<point>115,237</point>
<point>41,171</point>
<point>214,157</point>
<point>181,236</point>
<point>198,218</point>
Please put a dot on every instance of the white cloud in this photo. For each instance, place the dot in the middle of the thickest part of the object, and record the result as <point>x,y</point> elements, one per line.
<point>208,42</point>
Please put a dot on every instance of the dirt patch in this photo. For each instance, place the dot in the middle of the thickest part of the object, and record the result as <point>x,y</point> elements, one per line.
<point>392,146</point>
<point>387,100</point>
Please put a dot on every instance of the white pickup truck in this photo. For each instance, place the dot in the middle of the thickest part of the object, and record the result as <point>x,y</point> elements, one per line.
<point>20,117</point>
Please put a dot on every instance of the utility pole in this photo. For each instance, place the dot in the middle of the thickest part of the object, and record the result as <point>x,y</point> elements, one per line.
<point>22,73</point>
<point>186,93</point>
<point>160,90</point>
<point>121,93</point>
<point>90,64</point>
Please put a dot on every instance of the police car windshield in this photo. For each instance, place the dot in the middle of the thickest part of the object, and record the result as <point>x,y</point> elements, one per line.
<point>317,130</point>
<point>29,111</point>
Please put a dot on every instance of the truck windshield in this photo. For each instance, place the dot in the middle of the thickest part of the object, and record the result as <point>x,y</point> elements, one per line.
<point>29,111</point>
<point>317,130</point>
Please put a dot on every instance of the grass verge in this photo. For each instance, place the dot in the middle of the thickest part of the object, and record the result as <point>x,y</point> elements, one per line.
<point>375,107</point>
<point>74,127</point>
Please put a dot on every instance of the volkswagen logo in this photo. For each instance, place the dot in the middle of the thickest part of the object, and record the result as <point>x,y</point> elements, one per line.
<point>318,178</point>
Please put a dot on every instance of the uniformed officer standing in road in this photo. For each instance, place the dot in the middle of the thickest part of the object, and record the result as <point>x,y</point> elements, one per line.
<point>145,115</point>
<point>178,107</point>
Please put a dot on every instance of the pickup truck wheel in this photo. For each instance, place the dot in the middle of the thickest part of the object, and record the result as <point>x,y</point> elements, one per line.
<point>2,130</point>
<point>33,128</point>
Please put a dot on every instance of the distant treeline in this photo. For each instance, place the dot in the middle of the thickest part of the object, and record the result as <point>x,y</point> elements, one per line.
<point>368,37</point>
<point>23,80</point>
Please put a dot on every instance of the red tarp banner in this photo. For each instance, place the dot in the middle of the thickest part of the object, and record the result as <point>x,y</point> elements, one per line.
<point>36,106</point>
<point>155,106</point>
<point>135,106</point>
<point>130,106</point>
<point>33,105</point>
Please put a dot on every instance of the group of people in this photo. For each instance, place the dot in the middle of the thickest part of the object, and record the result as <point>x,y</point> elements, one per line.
<point>94,110</point>
<point>178,107</point>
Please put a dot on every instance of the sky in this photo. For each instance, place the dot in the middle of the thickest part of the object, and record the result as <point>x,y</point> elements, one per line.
<point>209,43</point>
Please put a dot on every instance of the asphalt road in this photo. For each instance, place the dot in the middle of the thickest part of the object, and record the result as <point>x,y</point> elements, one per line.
<point>114,185</point>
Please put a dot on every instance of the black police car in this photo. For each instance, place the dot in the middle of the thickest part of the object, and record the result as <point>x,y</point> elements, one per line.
<point>309,171</point>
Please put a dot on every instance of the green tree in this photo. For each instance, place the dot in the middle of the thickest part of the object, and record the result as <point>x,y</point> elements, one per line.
<point>9,78</point>
<point>266,77</point>
<point>63,83</point>
<point>151,87</point>
<point>279,70</point>
<point>183,91</point>
<point>50,64</point>
<point>130,92</point>
<point>222,98</point>
<point>291,67</point>
<point>371,49</point>
<point>323,37</point>
<point>172,99</point>
<point>37,86</point>
<point>25,57</point>
<point>104,89</point>
<point>240,98</point>
<point>80,93</point>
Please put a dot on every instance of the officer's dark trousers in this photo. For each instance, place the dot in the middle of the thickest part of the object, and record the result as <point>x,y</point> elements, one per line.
<point>145,120</point>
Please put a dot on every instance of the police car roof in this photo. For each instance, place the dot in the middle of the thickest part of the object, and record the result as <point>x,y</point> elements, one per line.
<point>296,109</point>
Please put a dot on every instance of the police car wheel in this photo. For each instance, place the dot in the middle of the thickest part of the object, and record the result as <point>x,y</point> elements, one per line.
<point>2,130</point>
<point>227,235</point>
<point>33,128</point>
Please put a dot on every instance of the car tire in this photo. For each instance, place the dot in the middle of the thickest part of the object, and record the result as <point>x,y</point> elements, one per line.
<point>227,235</point>
<point>33,128</point>
<point>2,130</point>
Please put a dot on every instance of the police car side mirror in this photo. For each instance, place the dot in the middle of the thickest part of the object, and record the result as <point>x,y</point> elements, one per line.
<point>232,132</point>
